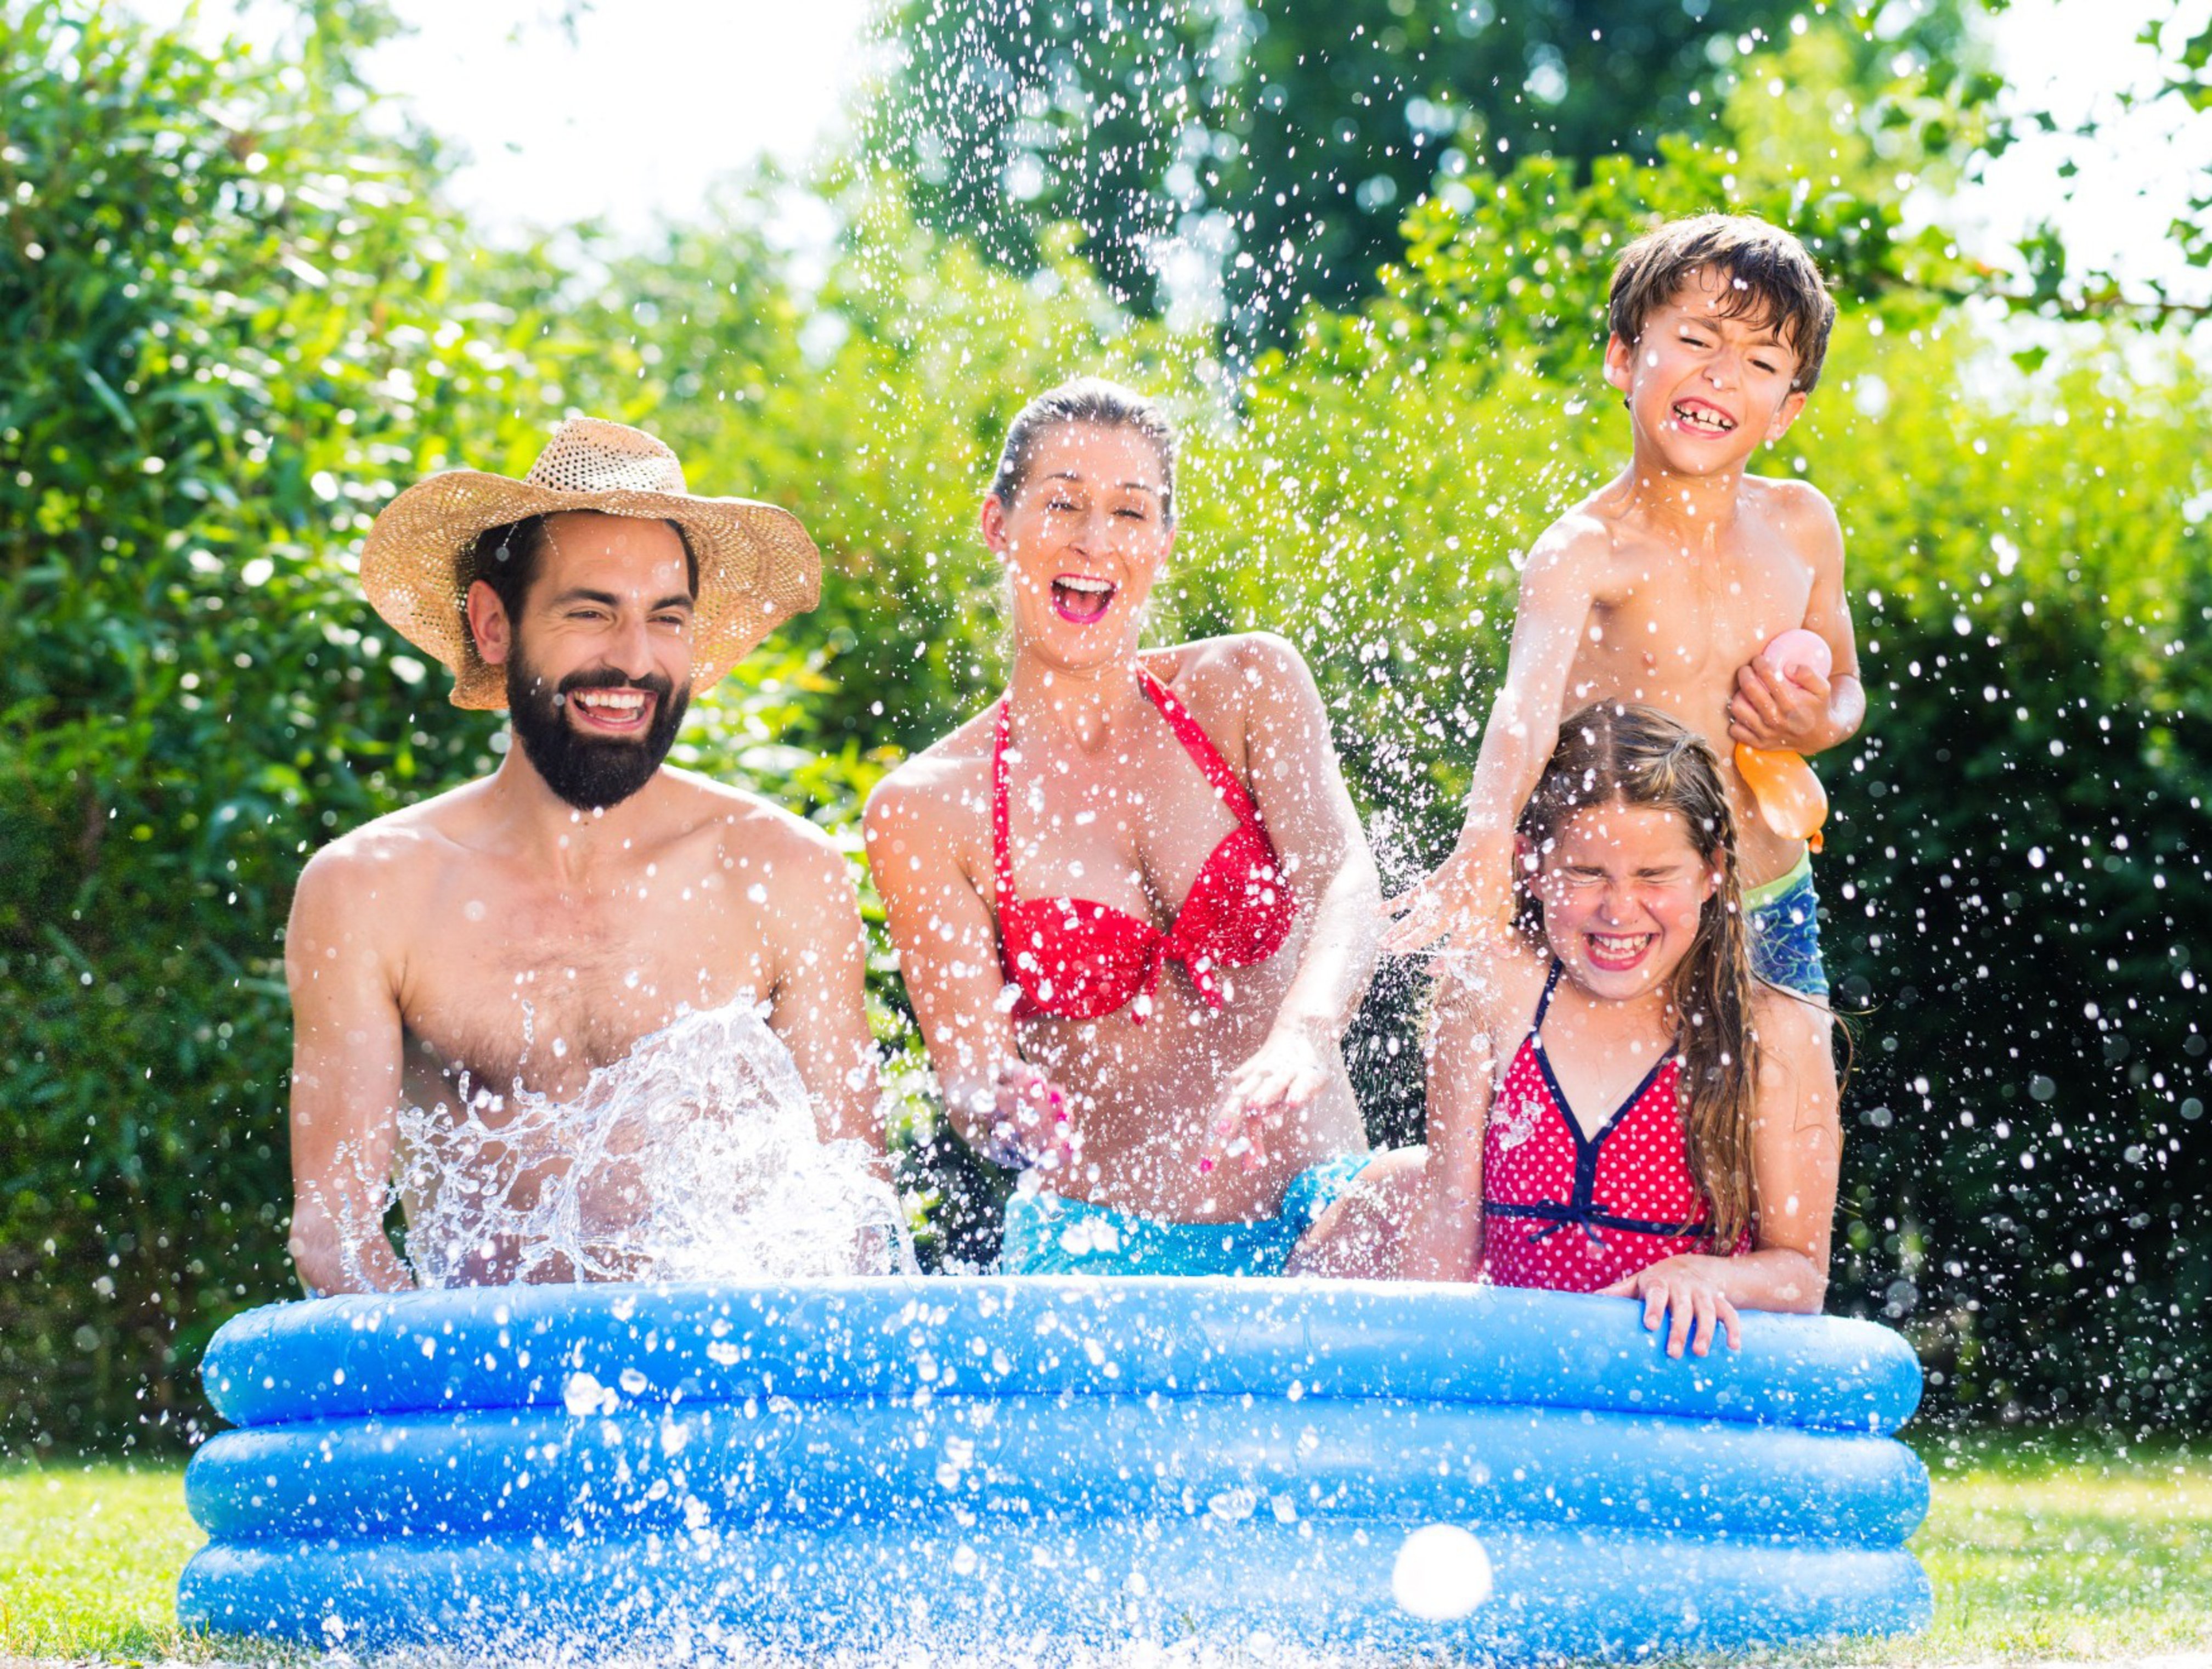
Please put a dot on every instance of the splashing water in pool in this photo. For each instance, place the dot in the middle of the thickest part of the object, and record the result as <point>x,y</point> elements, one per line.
<point>697,1157</point>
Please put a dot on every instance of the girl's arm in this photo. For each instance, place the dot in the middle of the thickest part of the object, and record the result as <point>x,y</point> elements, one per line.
<point>947,941</point>
<point>1442,1236</point>
<point>1796,1151</point>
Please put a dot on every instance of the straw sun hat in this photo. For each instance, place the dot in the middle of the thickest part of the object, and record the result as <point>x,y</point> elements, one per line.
<point>757,567</point>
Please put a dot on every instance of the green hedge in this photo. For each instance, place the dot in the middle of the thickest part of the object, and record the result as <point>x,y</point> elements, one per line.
<point>245,319</point>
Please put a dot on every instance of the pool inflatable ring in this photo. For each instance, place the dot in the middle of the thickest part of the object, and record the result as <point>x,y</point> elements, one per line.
<point>871,1462</point>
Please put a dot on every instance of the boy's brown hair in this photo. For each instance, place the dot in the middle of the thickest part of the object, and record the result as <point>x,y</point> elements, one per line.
<point>1775,278</point>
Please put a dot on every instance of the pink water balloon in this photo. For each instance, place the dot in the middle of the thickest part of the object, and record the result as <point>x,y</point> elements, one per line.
<point>1791,800</point>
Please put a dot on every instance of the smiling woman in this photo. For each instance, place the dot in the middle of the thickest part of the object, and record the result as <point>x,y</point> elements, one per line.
<point>1132,901</point>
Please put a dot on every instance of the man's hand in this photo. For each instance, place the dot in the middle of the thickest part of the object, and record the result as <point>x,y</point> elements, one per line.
<point>1779,711</point>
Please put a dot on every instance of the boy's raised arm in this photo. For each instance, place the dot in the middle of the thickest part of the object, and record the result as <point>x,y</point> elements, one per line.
<point>1472,892</point>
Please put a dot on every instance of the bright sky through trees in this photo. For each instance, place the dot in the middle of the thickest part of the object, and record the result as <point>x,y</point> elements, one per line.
<point>569,111</point>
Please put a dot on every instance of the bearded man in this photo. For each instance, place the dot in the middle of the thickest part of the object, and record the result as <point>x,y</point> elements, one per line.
<point>531,1001</point>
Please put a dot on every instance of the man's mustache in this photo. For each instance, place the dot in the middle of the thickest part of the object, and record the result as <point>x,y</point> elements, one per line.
<point>607,678</point>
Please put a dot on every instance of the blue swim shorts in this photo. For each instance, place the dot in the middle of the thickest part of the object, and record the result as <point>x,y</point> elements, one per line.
<point>1783,921</point>
<point>1051,1234</point>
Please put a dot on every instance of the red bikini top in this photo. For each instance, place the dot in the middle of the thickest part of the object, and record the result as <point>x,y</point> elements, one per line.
<point>1074,958</point>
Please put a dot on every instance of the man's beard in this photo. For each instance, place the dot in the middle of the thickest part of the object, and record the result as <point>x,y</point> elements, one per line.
<point>590,772</point>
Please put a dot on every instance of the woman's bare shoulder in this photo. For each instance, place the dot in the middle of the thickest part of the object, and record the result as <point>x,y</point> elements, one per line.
<point>1228,679</point>
<point>1241,657</point>
<point>941,787</point>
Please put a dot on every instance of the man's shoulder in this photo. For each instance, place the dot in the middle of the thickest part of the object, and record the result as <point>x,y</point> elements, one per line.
<point>1799,505</point>
<point>739,818</point>
<point>394,848</point>
<point>1584,540</point>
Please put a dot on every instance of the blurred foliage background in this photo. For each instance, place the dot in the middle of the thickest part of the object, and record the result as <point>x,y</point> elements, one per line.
<point>240,314</point>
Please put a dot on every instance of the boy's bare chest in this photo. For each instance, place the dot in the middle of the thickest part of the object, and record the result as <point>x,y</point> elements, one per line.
<point>531,983</point>
<point>1675,628</point>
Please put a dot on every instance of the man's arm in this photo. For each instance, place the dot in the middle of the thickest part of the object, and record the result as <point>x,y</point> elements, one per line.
<point>1801,711</point>
<point>347,1037</point>
<point>1474,890</point>
<point>818,1006</point>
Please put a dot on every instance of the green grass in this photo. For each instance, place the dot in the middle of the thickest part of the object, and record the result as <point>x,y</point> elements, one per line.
<point>2038,1550</point>
<point>89,1560</point>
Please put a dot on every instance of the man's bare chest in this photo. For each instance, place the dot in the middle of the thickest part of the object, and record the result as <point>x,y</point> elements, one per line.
<point>536,986</point>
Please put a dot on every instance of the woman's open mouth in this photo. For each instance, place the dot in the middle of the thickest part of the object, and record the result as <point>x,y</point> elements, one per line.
<point>1079,597</point>
<point>1617,953</point>
<point>612,712</point>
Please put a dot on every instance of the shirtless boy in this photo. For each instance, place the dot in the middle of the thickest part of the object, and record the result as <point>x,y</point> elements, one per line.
<point>529,927</point>
<point>1666,585</point>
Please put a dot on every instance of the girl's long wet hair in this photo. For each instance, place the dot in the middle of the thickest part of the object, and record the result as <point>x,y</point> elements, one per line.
<point>1618,754</point>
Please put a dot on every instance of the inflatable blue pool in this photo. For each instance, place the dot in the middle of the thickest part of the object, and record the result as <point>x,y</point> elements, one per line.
<point>872,1462</point>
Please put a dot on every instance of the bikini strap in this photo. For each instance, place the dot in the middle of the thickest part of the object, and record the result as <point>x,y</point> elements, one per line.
<point>1002,860</point>
<point>1543,1003</point>
<point>1204,754</point>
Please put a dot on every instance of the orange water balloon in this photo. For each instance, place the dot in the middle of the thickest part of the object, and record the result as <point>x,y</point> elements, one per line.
<point>1791,800</point>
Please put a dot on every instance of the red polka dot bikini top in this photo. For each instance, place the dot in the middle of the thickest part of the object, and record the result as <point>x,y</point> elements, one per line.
<point>1074,958</point>
<point>1574,1212</point>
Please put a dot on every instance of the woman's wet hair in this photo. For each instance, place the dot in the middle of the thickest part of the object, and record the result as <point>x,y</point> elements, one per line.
<point>1616,753</point>
<point>1095,401</point>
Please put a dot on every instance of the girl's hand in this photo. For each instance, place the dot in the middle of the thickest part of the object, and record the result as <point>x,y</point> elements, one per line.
<point>1029,1127</point>
<point>1690,1288</point>
<point>1282,1077</point>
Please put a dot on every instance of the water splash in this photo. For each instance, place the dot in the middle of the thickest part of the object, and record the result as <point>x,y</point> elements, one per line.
<point>697,1157</point>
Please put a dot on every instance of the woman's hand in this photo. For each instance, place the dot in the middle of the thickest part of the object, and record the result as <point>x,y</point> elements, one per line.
<point>1283,1076</point>
<point>1690,1288</point>
<point>1030,1125</point>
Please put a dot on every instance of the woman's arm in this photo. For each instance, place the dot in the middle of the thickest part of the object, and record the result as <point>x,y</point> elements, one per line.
<point>1797,1153</point>
<point>1299,788</point>
<point>948,949</point>
<point>1443,1237</point>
